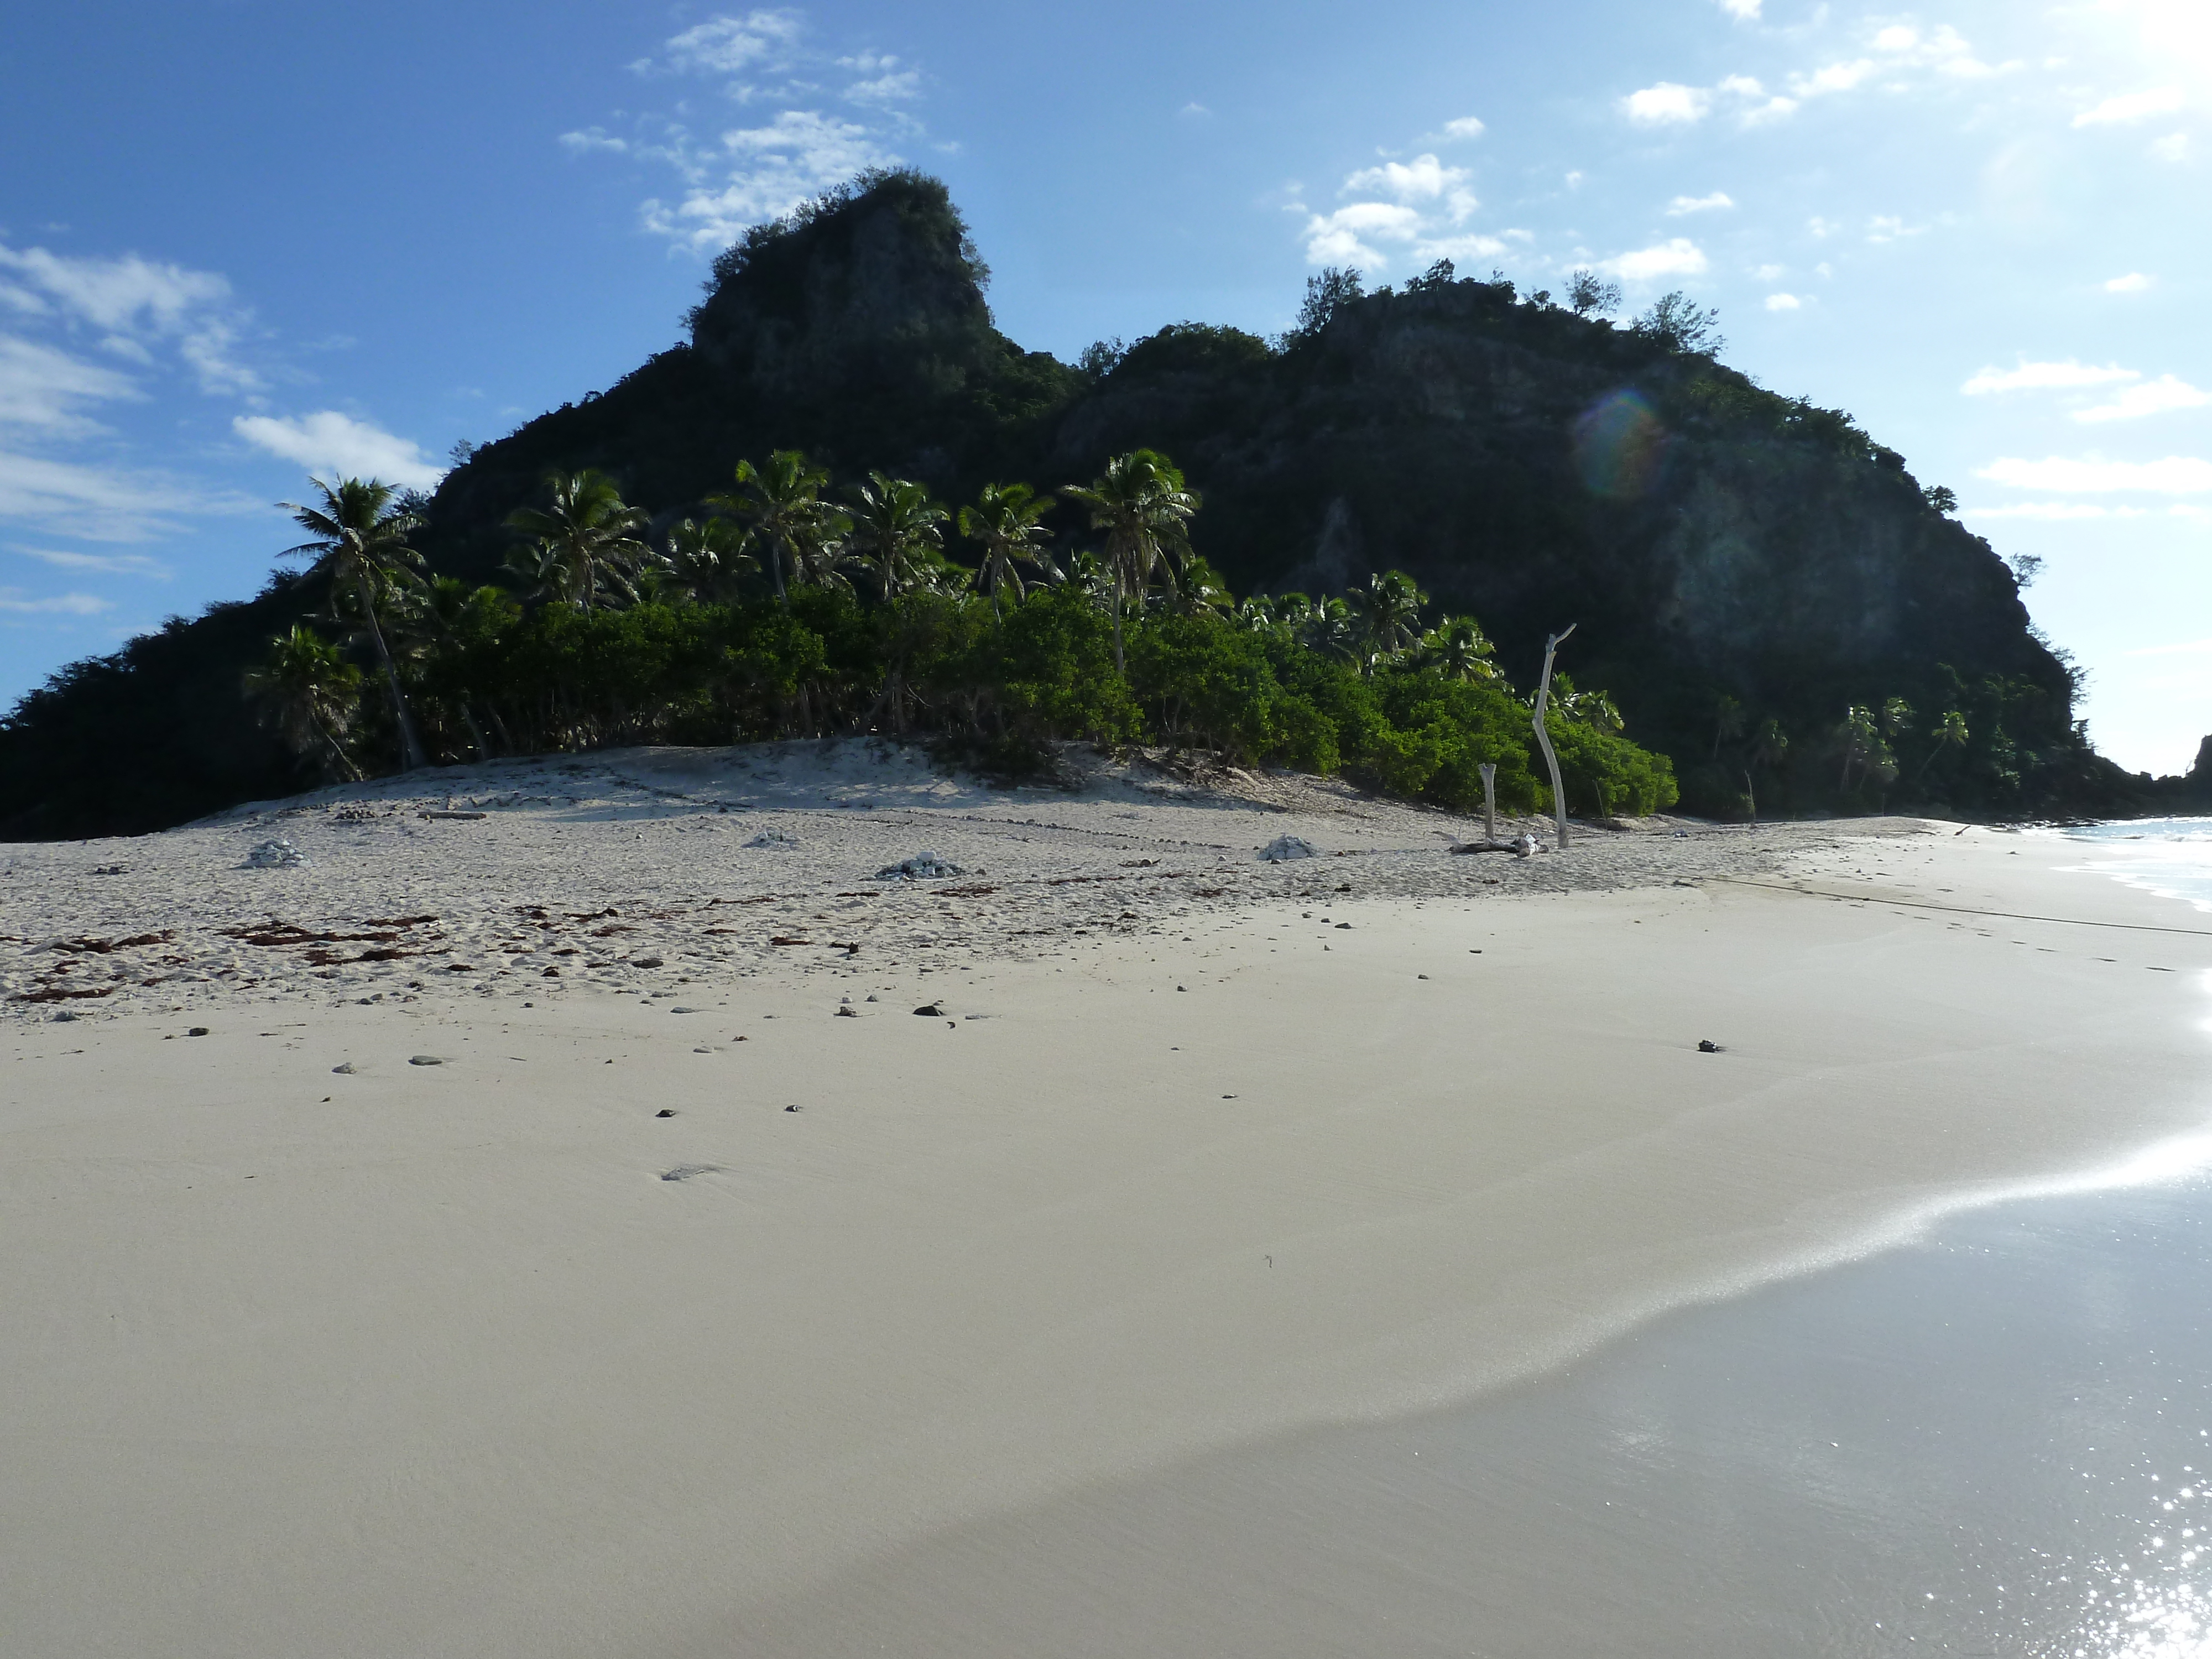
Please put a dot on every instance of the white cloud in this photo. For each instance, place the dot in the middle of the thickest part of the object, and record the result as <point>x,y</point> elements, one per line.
<point>13,603</point>
<point>1668,103</point>
<point>889,84</point>
<point>1746,10</point>
<point>102,503</point>
<point>1350,233</point>
<point>2174,147</point>
<point>2152,398</point>
<point>724,45</point>
<point>1833,78</point>
<point>1423,179</point>
<point>1785,302</point>
<point>2134,282</point>
<point>1822,228</point>
<point>1466,126</point>
<point>1771,273</point>
<point>1885,228</point>
<point>1678,256</point>
<point>2132,106</point>
<point>45,390</point>
<point>591,139</point>
<point>132,300</point>
<point>1683,205</point>
<point>105,564</point>
<point>344,445</point>
<point>2069,376</point>
<point>797,154</point>
<point>2176,475</point>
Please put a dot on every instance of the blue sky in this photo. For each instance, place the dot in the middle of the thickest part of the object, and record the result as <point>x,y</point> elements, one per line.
<point>241,240</point>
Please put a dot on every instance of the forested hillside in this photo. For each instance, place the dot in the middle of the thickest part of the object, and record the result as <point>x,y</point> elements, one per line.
<point>1763,595</point>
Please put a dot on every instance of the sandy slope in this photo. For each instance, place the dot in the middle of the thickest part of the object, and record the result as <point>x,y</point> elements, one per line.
<point>439,1358</point>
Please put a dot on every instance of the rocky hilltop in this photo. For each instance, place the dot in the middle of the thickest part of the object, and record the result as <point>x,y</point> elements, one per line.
<point>1743,568</point>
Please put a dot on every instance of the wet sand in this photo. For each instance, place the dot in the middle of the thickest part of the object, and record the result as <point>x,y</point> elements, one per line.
<point>490,1356</point>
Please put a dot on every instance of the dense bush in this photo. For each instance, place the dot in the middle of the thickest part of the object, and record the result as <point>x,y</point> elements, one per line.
<point>1001,685</point>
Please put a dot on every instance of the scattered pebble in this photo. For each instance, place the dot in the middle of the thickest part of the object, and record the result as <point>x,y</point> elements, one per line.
<point>922,866</point>
<point>1707,1046</point>
<point>930,1010</point>
<point>665,1111</point>
<point>685,1171</point>
<point>198,1031</point>
<point>1286,847</point>
<point>277,855</point>
<point>424,1060</point>
<point>345,1070</point>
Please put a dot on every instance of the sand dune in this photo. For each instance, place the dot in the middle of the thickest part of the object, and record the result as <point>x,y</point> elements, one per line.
<point>581,1341</point>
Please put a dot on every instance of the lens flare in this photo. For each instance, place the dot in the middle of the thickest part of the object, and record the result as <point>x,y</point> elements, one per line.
<point>1621,446</point>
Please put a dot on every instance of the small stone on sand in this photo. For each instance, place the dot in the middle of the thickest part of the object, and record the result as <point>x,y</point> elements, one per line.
<point>424,1060</point>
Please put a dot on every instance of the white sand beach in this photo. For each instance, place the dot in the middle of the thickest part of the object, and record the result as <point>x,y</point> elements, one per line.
<point>321,1350</point>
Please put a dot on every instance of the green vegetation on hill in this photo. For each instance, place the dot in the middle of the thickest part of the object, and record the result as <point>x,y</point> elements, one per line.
<point>1784,618</point>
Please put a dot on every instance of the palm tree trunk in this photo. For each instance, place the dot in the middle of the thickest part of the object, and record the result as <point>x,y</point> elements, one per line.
<point>476,732</point>
<point>1120,666</point>
<point>776,562</point>
<point>410,746</point>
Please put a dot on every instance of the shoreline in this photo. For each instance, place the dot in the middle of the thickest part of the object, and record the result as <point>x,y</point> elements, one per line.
<point>1138,1193</point>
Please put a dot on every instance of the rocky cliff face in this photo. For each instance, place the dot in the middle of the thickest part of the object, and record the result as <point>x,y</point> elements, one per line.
<point>1712,541</point>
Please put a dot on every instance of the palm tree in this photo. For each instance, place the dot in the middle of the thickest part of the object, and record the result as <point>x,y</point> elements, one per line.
<point>1259,614</point>
<point>314,691</point>
<point>1327,626</point>
<point>895,534</point>
<point>1950,733</point>
<point>782,505</point>
<point>588,540</point>
<point>360,543</point>
<point>1005,521</point>
<point>707,562</point>
<point>1386,616</point>
<point>1727,722</point>
<point>1142,504</point>
<point>1593,708</point>
<point>1460,650</point>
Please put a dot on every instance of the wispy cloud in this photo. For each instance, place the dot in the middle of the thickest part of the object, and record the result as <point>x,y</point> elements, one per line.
<point>2069,376</point>
<point>15,603</point>
<point>2134,282</point>
<point>1686,205</point>
<point>103,503</point>
<point>1785,302</point>
<point>47,391</point>
<point>884,82</point>
<point>1466,126</point>
<point>104,564</point>
<point>333,443</point>
<point>134,303</point>
<point>797,154</point>
<point>590,138</point>
<point>1677,257</point>
<point>2158,397</point>
<point>1896,54</point>
<point>2176,475</point>
<point>2131,107</point>
<point>1746,10</point>
<point>759,172</point>
<point>729,46</point>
